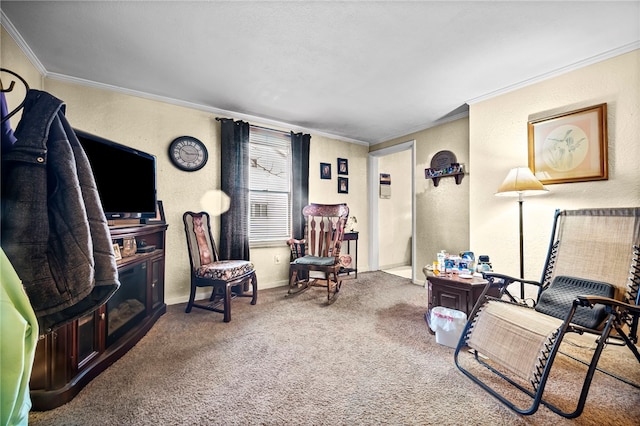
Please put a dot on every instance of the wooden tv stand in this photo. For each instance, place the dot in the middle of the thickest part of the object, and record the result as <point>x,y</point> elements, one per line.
<point>71,356</point>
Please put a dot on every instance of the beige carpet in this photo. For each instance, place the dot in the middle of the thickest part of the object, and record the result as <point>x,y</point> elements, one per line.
<point>368,359</point>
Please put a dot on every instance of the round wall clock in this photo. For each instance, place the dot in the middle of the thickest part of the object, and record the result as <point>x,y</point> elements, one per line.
<point>188,153</point>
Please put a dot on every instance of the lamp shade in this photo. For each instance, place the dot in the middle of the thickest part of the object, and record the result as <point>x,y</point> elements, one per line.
<point>520,181</point>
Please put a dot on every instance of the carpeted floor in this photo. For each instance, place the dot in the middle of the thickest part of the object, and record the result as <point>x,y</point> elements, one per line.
<point>368,359</point>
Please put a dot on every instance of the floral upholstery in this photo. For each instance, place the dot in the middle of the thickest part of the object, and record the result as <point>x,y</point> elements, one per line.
<point>225,269</point>
<point>207,270</point>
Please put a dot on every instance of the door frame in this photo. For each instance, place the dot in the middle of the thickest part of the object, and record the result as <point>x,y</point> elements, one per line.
<point>374,179</point>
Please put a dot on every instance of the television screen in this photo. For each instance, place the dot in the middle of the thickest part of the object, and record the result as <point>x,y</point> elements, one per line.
<point>125,177</point>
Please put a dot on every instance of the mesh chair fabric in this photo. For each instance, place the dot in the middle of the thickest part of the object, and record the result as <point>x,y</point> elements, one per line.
<point>513,335</point>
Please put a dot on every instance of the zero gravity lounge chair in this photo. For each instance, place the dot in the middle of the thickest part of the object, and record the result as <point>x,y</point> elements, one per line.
<point>589,285</point>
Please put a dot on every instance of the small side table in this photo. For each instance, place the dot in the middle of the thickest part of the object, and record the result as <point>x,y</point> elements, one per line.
<point>453,292</point>
<point>348,237</point>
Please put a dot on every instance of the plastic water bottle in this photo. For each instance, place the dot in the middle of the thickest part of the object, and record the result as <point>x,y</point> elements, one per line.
<point>441,257</point>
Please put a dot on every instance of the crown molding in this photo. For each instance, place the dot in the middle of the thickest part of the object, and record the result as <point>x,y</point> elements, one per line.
<point>22,44</point>
<point>199,107</point>
<point>13,32</point>
<point>15,35</point>
<point>575,66</point>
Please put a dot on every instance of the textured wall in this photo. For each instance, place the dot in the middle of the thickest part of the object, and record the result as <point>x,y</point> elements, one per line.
<point>151,125</point>
<point>498,142</point>
<point>12,58</point>
<point>442,212</point>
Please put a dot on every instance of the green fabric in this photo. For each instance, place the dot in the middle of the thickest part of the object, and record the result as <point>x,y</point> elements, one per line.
<point>315,260</point>
<point>18,340</point>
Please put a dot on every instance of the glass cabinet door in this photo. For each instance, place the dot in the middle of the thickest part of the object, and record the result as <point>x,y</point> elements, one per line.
<point>127,307</point>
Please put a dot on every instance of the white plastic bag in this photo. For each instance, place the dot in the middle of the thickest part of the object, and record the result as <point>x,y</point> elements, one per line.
<point>445,319</point>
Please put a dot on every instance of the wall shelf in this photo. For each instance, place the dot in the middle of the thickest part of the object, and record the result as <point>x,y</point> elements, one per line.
<point>444,164</point>
<point>458,176</point>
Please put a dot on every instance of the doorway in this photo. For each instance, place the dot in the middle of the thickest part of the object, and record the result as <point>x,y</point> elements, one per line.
<point>378,239</point>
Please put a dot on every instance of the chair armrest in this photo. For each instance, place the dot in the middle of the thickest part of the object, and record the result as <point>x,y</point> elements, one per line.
<point>503,281</point>
<point>292,241</point>
<point>610,303</point>
<point>506,279</point>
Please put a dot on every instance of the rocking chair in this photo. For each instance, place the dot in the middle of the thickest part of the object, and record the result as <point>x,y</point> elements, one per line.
<point>589,285</point>
<point>207,270</point>
<point>315,260</point>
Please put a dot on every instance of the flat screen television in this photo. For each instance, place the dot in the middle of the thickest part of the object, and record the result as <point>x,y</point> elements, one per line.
<point>125,177</point>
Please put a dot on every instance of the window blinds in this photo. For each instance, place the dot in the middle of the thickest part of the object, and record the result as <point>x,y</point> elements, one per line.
<point>269,185</point>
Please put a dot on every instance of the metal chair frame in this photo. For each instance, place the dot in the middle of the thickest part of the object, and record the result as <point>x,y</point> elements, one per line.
<point>621,316</point>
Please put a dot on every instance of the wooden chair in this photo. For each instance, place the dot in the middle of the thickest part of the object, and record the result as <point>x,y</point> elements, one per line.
<point>207,270</point>
<point>315,259</point>
<point>589,286</point>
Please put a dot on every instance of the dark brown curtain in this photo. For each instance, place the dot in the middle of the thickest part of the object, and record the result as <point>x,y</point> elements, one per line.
<point>300,144</point>
<point>234,169</point>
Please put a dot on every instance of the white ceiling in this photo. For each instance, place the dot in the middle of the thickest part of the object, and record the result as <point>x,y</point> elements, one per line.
<point>355,70</point>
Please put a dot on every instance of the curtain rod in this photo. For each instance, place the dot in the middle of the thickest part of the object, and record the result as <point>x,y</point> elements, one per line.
<point>258,127</point>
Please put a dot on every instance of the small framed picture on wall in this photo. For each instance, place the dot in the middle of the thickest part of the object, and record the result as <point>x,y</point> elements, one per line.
<point>343,185</point>
<point>325,171</point>
<point>343,166</point>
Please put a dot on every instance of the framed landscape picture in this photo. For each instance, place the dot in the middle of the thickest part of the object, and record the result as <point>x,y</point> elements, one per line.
<point>569,147</point>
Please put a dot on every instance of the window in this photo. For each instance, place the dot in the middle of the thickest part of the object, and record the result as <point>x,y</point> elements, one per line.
<point>269,185</point>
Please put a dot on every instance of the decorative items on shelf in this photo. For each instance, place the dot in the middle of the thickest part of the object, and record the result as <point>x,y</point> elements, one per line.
<point>443,164</point>
<point>452,169</point>
<point>351,223</point>
<point>116,251</point>
<point>129,246</point>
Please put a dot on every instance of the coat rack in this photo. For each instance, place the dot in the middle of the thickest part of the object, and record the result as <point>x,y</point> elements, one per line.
<point>9,89</point>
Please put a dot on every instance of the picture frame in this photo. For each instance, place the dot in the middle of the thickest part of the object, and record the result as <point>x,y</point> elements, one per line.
<point>343,166</point>
<point>325,171</point>
<point>569,147</point>
<point>116,250</point>
<point>343,185</point>
<point>159,218</point>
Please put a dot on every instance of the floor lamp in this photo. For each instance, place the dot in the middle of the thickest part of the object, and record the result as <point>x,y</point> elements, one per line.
<point>520,182</point>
